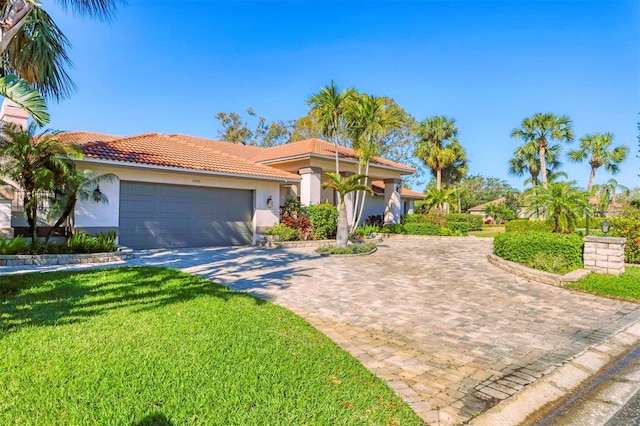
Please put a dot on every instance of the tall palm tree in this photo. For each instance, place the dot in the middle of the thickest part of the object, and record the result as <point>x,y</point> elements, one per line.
<point>34,162</point>
<point>34,51</point>
<point>525,160</point>
<point>436,144</point>
<point>457,170</point>
<point>597,146</point>
<point>76,185</point>
<point>540,130</point>
<point>458,193</point>
<point>368,120</point>
<point>328,106</point>
<point>344,186</point>
<point>562,201</point>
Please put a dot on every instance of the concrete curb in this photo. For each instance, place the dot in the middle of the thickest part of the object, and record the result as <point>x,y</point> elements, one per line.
<point>560,383</point>
<point>535,275</point>
<point>122,254</point>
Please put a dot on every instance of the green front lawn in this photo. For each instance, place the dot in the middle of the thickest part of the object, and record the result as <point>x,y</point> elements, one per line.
<point>137,346</point>
<point>489,231</point>
<point>626,286</point>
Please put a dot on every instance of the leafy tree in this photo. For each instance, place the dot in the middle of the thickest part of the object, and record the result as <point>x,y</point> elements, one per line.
<point>563,202</point>
<point>73,186</point>
<point>344,186</point>
<point>540,130</point>
<point>499,212</point>
<point>438,145</point>
<point>597,147</point>
<point>328,107</point>
<point>236,130</point>
<point>34,163</point>
<point>478,189</point>
<point>34,51</point>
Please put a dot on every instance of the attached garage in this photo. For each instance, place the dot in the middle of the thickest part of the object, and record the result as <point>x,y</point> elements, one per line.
<point>164,216</point>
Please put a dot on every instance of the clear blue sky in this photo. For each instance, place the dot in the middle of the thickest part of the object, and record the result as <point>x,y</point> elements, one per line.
<point>168,66</point>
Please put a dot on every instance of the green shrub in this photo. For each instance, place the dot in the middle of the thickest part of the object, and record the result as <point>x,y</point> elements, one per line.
<point>352,249</point>
<point>460,228</point>
<point>393,229</point>
<point>282,232</point>
<point>300,224</point>
<point>629,228</point>
<point>524,225</point>
<point>475,221</point>
<point>537,249</point>
<point>13,246</point>
<point>423,218</point>
<point>423,229</point>
<point>81,242</point>
<point>324,220</point>
<point>594,223</point>
<point>366,230</point>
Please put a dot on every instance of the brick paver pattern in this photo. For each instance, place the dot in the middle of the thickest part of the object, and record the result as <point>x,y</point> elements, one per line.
<point>452,334</point>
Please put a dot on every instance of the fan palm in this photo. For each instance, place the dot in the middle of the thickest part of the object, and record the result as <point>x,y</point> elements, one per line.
<point>525,160</point>
<point>34,162</point>
<point>607,193</point>
<point>436,145</point>
<point>437,199</point>
<point>328,106</point>
<point>597,147</point>
<point>539,130</point>
<point>344,186</point>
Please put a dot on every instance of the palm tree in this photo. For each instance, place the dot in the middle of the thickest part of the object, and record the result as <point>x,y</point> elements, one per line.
<point>562,201</point>
<point>328,106</point>
<point>457,170</point>
<point>34,163</point>
<point>368,120</point>
<point>525,160</point>
<point>34,51</point>
<point>344,186</point>
<point>436,147</point>
<point>437,199</point>
<point>539,130</point>
<point>607,193</point>
<point>597,146</point>
<point>458,193</point>
<point>77,185</point>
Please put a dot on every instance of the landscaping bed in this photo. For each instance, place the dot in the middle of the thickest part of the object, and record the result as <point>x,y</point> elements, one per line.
<point>158,346</point>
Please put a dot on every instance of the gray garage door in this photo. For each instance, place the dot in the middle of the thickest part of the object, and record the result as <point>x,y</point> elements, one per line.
<point>157,216</point>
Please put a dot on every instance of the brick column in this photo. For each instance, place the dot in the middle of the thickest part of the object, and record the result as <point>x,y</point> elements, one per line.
<point>604,255</point>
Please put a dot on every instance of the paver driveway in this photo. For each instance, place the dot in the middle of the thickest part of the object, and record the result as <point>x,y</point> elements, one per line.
<point>451,333</point>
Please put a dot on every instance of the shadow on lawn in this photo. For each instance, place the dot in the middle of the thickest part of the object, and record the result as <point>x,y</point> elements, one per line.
<point>156,419</point>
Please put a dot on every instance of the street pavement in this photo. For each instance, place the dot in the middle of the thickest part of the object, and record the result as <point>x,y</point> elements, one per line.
<point>452,334</point>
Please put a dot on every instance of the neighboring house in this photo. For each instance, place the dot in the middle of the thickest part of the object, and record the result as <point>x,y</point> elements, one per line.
<point>479,209</point>
<point>185,191</point>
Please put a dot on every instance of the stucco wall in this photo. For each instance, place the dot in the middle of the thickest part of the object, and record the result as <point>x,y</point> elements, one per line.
<point>90,214</point>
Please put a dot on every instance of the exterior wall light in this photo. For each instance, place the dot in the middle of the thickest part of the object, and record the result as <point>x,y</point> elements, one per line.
<point>97,194</point>
<point>605,227</point>
<point>270,202</point>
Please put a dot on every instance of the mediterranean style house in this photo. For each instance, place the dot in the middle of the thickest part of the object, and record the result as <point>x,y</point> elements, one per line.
<point>185,191</point>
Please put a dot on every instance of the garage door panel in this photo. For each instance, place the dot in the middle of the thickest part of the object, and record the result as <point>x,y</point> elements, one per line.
<point>154,215</point>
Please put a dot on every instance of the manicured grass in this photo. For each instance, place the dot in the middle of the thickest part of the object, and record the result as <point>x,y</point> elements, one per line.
<point>137,346</point>
<point>359,248</point>
<point>488,231</point>
<point>626,286</point>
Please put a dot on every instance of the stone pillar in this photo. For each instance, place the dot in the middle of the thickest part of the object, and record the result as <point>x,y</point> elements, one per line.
<point>392,202</point>
<point>604,255</point>
<point>311,185</point>
<point>6,196</point>
<point>12,113</point>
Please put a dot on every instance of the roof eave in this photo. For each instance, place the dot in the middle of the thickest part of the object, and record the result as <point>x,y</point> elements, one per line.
<point>409,171</point>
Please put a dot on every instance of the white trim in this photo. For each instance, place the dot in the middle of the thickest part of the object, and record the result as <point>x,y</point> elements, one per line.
<point>303,156</point>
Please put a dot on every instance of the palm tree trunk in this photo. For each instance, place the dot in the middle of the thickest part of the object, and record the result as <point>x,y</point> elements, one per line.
<point>438,179</point>
<point>68,209</point>
<point>543,166</point>
<point>592,177</point>
<point>363,198</point>
<point>11,24</point>
<point>342,234</point>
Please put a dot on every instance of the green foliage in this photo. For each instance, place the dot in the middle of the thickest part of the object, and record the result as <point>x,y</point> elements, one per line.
<point>393,228</point>
<point>461,228</point>
<point>172,335</point>
<point>562,202</point>
<point>282,232</point>
<point>432,218</point>
<point>323,218</point>
<point>359,248</point>
<point>594,222</point>
<point>423,229</point>
<point>524,225</point>
<point>236,130</point>
<point>623,287</point>
<point>292,207</point>
<point>81,242</point>
<point>12,246</point>
<point>541,250</point>
<point>300,224</point>
<point>629,228</point>
<point>475,221</point>
<point>366,230</point>
<point>479,189</point>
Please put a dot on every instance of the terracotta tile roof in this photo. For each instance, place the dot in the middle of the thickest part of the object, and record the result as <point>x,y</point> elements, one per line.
<point>319,148</point>
<point>161,150</point>
<point>239,150</point>
<point>378,188</point>
<point>82,137</point>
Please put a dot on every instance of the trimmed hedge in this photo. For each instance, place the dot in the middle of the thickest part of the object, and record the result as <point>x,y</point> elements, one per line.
<point>475,221</point>
<point>629,228</point>
<point>462,228</point>
<point>422,229</point>
<point>558,253</point>
<point>433,219</point>
<point>524,225</point>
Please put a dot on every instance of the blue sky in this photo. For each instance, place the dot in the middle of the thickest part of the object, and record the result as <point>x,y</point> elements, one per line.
<point>168,66</point>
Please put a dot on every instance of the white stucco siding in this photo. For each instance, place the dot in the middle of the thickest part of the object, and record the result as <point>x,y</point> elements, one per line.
<point>92,214</point>
<point>373,206</point>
